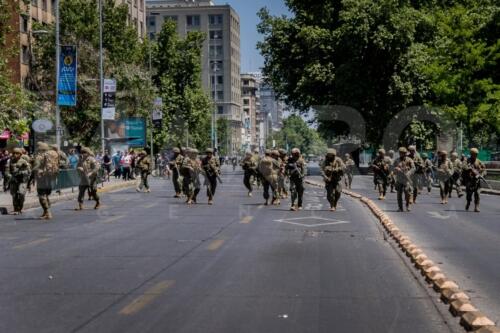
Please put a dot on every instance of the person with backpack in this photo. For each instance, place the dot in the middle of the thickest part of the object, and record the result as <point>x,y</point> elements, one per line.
<point>268,168</point>
<point>144,165</point>
<point>18,172</point>
<point>46,167</point>
<point>88,169</point>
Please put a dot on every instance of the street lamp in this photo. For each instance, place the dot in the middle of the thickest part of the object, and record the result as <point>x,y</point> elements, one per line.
<point>214,113</point>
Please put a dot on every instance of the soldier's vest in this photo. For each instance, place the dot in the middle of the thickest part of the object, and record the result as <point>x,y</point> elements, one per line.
<point>186,167</point>
<point>51,163</point>
<point>266,166</point>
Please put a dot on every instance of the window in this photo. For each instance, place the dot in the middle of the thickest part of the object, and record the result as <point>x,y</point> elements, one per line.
<point>25,55</point>
<point>44,5</point>
<point>135,3</point>
<point>246,102</point>
<point>24,23</point>
<point>246,82</point>
<point>217,66</point>
<point>34,3</point>
<point>193,20</point>
<point>216,34</point>
<point>53,7</point>
<point>152,36</point>
<point>220,95</point>
<point>151,22</point>
<point>220,109</point>
<point>220,79</point>
<point>215,19</point>
<point>216,51</point>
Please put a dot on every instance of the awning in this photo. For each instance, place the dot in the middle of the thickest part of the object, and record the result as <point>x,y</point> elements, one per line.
<point>5,135</point>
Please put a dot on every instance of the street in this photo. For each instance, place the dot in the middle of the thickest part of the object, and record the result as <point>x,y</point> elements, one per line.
<point>149,263</point>
<point>466,244</point>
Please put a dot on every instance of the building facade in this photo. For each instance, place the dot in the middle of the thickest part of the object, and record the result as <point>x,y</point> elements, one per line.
<point>250,98</point>
<point>24,15</point>
<point>221,51</point>
<point>272,106</point>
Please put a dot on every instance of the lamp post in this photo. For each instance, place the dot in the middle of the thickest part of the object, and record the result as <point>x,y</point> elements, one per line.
<point>101,79</point>
<point>58,55</point>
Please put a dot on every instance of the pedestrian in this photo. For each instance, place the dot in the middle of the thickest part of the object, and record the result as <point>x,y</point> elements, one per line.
<point>474,170</point>
<point>457,175</point>
<point>73,159</point>
<point>332,170</point>
<point>296,171</point>
<point>381,172</point>
<point>4,158</point>
<point>428,170</point>
<point>444,171</point>
<point>106,162</point>
<point>126,162</point>
<point>88,169</point>
<point>145,166</point>
<point>249,166</point>
<point>175,165</point>
<point>17,172</point>
<point>416,178</point>
<point>268,169</point>
<point>404,168</point>
<point>234,162</point>
<point>46,168</point>
<point>349,170</point>
<point>211,169</point>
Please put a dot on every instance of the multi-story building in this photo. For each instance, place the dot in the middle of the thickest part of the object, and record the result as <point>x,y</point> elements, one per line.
<point>221,51</point>
<point>250,108</point>
<point>24,14</point>
<point>271,105</point>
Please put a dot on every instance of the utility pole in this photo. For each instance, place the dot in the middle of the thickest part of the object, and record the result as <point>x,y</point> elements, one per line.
<point>101,79</point>
<point>58,55</point>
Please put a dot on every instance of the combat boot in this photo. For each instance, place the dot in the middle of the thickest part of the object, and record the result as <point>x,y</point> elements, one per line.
<point>210,202</point>
<point>79,207</point>
<point>467,206</point>
<point>97,204</point>
<point>476,208</point>
<point>293,208</point>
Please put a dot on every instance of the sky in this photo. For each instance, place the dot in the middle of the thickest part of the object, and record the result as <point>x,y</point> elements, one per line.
<point>251,60</point>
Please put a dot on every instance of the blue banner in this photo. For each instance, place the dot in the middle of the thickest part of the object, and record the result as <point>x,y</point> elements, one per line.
<point>66,94</point>
<point>130,132</point>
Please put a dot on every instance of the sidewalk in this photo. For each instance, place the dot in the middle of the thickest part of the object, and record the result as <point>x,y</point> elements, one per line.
<point>66,194</point>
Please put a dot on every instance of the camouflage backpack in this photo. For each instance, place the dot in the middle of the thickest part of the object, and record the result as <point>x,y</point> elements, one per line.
<point>266,166</point>
<point>51,161</point>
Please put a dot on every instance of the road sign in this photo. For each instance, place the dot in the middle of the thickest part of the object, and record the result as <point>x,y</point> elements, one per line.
<point>42,125</point>
<point>157,114</point>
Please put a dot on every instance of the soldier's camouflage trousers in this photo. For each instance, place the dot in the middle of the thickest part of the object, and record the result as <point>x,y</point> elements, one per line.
<point>333,192</point>
<point>187,187</point>
<point>348,179</point>
<point>282,190</point>
<point>44,187</point>
<point>144,180</point>
<point>247,181</point>
<point>269,185</point>
<point>18,192</point>
<point>211,186</point>
<point>177,181</point>
<point>92,189</point>
<point>297,190</point>
<point>416,181</point>
<point>444,188</point>
<point>472,190</point>
<point>406,190</point>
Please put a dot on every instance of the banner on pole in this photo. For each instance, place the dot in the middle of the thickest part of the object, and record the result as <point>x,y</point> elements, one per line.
<point>67,85</point>
<point>157,115</point>
<point>109,99</point>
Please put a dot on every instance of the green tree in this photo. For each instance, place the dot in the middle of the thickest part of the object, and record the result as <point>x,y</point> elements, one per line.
<point>124,59</point>
<point>223,135</point>
<point>186,107</point>
<point>296,133</point>
<point>465,68</point>
<point>15,101</point>
<point>358,53</point>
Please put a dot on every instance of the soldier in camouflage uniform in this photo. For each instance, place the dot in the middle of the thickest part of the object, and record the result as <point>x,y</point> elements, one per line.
<point>296,171</point>
<point>444,171</point>
<point>349,170</point>
<point>249,166</point>
<point>427,177</point>
<point>17,173</point>
<point>145,166</point>
<point>474,169</point>
<point>381,172</point>
<point>88,169</point>
<point>211,169</point>
<point>457,175</point>
<point>392,180</point>
<point>189,171</point>
<point>268,169</point>
<point>404,168</point>
<point>416,178</point>
<point>257,178</point>
<point>332,171</point>
<point>63,158</point>
<point>175,165</point>
<point>46,167</point>
<point>282,189</point>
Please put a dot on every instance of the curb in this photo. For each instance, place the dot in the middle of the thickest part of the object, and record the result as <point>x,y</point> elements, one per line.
<point>460,306</point>
<point>56,198</point>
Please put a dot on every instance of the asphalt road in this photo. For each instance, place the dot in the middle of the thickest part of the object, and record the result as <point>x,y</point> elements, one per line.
<point>465,244</point>
<point>148,263</point>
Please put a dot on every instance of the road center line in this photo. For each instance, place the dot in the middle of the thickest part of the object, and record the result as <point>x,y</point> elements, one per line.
<point>31,244</point>
<point>246,219</point>
<point>149,296</point>
<point>215,245</point>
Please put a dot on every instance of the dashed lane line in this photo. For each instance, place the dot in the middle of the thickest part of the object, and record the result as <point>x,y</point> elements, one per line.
<point>147,298</point>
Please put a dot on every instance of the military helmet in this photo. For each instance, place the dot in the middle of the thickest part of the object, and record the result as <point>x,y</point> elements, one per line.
<point>17,151</point>
<point>268,152</point>
<point>54,147</point>
<point>454,154</point>
<point>403,150</point>
<point>331,151</point>
<point>282,151</point>
<point>194,151</point>
<point>412,148</point>
<point>176,150</point>
<point>275,152</point>
<point>86,150</point>
<point>295,151</point>
<point>42,146</point>
<point>209,151</point>
<point>474,151</point>
<point>381,151</point>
